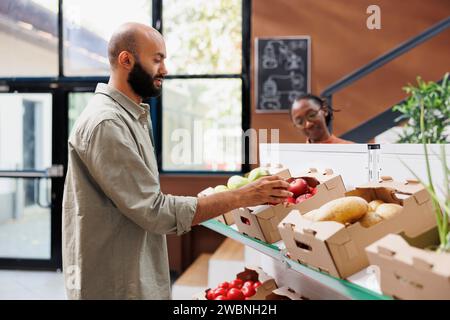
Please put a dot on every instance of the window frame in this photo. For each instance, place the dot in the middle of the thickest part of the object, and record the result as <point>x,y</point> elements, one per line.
<point>158,108</point>
<point>61,85</point>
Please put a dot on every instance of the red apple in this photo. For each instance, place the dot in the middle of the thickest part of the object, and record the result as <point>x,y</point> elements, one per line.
<point>303,197</point>
<point>210,295</point>
<point>312,190</point>
<point>220,292</point>
<point>298,187</point>
<point>224,285</point>
<point>248,291</point>
<point>290,200</point>
<point>235,294</point>
<point>236,283</point>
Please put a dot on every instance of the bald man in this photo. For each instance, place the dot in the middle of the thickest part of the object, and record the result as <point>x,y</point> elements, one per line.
<point>115,216</point>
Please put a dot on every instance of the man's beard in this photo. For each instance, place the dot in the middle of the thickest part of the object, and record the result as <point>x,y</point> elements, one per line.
<point>142,82</point>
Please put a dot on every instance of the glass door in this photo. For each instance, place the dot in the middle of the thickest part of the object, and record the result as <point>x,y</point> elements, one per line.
<point>30,182</point>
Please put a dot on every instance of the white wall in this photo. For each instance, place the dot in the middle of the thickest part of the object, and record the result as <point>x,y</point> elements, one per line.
<point>351,161</point>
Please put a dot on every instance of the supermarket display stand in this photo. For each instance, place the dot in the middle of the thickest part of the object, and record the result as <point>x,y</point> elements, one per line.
<point>357,164</point>
<point>344,288</point>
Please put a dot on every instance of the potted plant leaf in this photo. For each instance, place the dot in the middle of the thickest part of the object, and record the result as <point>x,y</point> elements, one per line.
<point>419,269</point>
<point>435,98</point>
<point>441,205</point>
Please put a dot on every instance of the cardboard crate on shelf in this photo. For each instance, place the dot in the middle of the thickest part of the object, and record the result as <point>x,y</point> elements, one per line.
<point>285,293</point>
<point>252,273</point>
<point>408,270</point>
<point>339,249</point>
<point>261,222</point>
<point>228,217</point>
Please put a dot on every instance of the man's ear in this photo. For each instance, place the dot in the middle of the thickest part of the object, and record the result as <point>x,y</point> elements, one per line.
<point>126,60</point>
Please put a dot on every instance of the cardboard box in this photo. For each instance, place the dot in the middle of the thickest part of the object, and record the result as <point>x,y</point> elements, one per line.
<point>329,186</point>
<point>254,274</point>
<point>228,218</point>
<point>268,284</point>
<point>285,293</point>
<point>261,222</point>
<point>408,271</point>
<point>339,250</point>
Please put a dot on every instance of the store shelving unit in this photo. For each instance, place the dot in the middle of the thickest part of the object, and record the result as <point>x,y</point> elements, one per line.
<point>357,164</point>
<point>345,288</point>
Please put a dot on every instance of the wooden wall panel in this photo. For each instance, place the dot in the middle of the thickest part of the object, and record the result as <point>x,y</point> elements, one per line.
<point>341,43</point>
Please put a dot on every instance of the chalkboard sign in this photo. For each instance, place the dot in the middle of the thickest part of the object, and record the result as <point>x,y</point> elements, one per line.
<point>282,71</point>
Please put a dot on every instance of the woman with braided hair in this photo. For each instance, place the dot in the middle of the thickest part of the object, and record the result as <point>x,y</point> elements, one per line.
<point>312,116</point>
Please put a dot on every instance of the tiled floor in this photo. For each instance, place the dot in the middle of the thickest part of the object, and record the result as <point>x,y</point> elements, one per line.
<point>31,285</point>
<point>34,285</point>
<point>27,237</point>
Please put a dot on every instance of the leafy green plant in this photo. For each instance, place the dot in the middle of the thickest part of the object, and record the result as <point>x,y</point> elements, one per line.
<point>435,99</point>
<point>441,206</point>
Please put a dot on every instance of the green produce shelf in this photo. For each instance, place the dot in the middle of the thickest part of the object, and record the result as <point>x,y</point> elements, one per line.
<point>345,288</point>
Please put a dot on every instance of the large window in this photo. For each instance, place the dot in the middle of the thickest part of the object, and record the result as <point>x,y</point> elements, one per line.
<point>28,38</point>
<point>25,144</point>
<point>202,103</point>
<point>203,37</point>
<point>202,124</point>
<point>88,25</point>
<point>77,102</point>
<point>53,54</point>
<point>25,131</point>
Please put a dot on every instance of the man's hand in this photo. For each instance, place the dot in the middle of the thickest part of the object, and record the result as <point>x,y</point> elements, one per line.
<point>271,189</point>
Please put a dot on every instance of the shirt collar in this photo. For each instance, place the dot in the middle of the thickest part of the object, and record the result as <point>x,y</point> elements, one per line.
<point>137,110</point>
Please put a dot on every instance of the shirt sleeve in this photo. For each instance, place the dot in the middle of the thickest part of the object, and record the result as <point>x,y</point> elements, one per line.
<point>113,161</point>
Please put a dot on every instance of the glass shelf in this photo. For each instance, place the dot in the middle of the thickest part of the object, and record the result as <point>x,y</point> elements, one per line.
<point>347,289</point>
